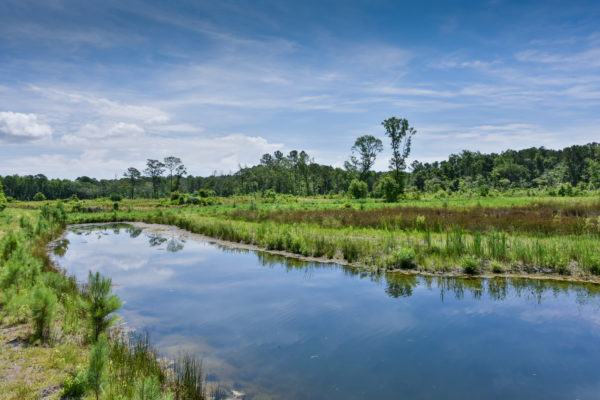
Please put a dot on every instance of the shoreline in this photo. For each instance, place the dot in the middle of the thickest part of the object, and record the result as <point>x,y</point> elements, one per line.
<point>158,228</point>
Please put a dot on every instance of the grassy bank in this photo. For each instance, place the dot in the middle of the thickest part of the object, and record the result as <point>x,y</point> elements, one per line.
<point>58,338</point>
<point>553,237</point>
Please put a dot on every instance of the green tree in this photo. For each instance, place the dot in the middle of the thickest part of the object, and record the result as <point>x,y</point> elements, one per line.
<point>367,147</point>
<point>3,201</point>
<point>133,175</point>
<point>358,189</point>
<point>400,134</point>
<point>43,309</point>
<point>39,196</point>
<point>97,366</point>
<point>100,303</point>
<point>175,168</point>
<point>389,188</point>
<point>593,175</point>
<point>154,170</point>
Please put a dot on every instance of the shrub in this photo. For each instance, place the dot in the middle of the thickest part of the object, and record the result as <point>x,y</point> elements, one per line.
<point>43,308</point>
<point>270,196</point>
<point>403,258</point>
<point>115,206</point>
<point>497,267</point>
<point>358,189</point>
<point>39,196</point>
<point>565,190</point>
<point>175,195</point>
<point>470,265</point>
<point>74,386</point>
<point>100,303</point>
<point>206,193</point>
<point>115,197</point>
<point>9,244</point>
<point>389,188</point>
<point>77,206</point>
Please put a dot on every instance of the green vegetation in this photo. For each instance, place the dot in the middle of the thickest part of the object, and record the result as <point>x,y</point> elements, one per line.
<point>3,201</point>
<point>55,335</point>
<point>512,235</point>
<point>100,304</point>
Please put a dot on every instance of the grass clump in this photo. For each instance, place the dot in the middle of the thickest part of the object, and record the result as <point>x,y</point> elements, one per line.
<point>403,259</point>
<point>497,267</point>
<point>470,265</point>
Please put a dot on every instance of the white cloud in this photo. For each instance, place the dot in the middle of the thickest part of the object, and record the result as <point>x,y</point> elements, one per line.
<point>107,108</point>
<point>21,127</point>
<point>114,154</point>
<point>90,133</point>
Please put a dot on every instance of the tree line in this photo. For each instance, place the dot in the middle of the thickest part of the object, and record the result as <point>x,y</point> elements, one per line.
<point>557,171</point>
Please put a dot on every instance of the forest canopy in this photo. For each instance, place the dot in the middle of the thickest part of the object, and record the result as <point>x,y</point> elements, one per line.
<point>556,171</point>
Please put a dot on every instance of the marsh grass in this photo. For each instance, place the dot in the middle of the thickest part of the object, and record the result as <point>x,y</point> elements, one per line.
<point>371,247</point>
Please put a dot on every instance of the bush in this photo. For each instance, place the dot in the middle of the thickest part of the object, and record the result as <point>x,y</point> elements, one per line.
<point>74,386</point>
<point>389,188</point>
<point>470,265</point>
<point>358,189</point>
<point>115,197</point>
<point>403,258</point>
<point>565,190</point>
<point>175,195</point>
<point>497,267</point>
<point>43,308</point>
<point>39,196</point>
<point>270,196</point>
<point>206,193</point>
<point>115,206</point>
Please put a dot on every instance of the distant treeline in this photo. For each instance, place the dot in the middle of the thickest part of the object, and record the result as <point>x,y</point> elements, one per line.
<point>296,173</point>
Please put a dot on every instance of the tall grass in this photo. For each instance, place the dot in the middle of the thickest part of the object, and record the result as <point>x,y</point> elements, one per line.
<point>370,247</point>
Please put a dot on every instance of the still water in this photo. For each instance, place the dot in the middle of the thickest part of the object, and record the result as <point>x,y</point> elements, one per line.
<point>276,328</point>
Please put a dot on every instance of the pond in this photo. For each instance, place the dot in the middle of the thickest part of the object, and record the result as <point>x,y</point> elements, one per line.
<point>278,328</point>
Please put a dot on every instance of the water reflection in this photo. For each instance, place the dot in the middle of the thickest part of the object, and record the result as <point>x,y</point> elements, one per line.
<point>61,247</point>
<point>277,327</point>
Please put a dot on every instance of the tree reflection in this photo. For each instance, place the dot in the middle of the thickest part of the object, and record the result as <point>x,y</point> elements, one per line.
<point>174,245</point>
<point>155,239</point>
<point>400,285</point>
<point>134,231</point>
<point>61,247</point>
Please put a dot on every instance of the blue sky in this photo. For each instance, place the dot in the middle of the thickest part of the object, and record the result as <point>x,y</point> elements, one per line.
<point>91,88</point>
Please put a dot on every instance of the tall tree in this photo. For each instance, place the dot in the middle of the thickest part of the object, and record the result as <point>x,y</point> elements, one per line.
<point>400,134</point>
<point>154,170</point>
<point>175,167</point>
<point>367,147</point>
<point>133,175</point>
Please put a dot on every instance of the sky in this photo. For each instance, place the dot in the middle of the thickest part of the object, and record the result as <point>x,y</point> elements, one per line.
<point>92,88</point>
